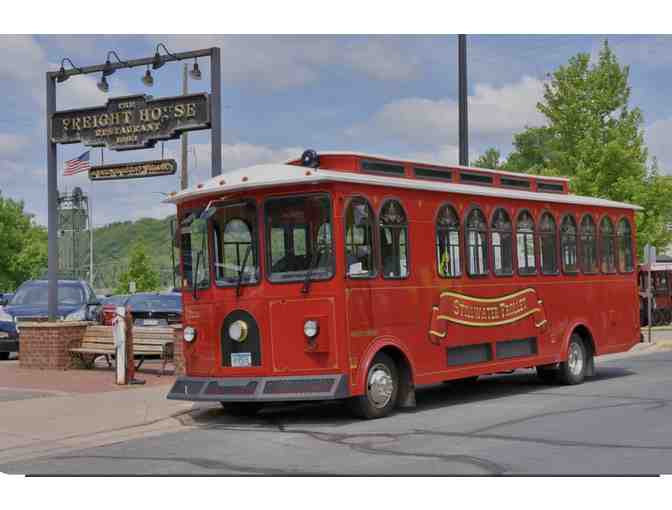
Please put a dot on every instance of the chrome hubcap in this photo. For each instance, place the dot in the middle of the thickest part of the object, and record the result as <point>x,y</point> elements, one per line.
<point>575,359</point>
<point>379,386</point>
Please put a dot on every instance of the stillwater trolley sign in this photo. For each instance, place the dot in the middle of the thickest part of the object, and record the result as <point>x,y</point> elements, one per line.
<point>132,122</point>
<point>133,170</point>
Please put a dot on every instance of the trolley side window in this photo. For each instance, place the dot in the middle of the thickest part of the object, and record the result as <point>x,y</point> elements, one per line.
<point>394,240</point>
<point>625,259</point>
<point>568,245</point>
<point>548,246</point>
<point>448,243</point>
<point>525,243</point>
<point>607,246</point>
<point>588,252</point>
<point>502,243</point>
<point>359,223</point>
<point>477,248</point>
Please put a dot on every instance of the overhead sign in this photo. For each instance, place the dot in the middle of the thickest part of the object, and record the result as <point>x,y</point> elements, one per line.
<point>133,170</point>
<point>132,122</point>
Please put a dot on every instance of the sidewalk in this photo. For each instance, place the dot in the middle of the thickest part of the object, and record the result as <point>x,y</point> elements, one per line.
<point>47,412</point>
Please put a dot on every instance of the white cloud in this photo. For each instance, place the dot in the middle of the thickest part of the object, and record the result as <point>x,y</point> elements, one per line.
<point>278,62</point>
<point>493,111</point>
<point>82,91</point>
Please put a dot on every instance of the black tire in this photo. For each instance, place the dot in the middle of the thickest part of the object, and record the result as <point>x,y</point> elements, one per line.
<point>4,356</point>
<point>573,371</point>
<point>547,375</point>
<point>241,408</point>
<point>381,389</point>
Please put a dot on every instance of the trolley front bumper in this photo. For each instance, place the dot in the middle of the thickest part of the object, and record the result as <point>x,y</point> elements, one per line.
<point>260,389</point>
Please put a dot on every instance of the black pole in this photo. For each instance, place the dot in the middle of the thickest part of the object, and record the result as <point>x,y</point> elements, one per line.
<point>52,205</point>
<point>463,116</point>
<point>216,107</point>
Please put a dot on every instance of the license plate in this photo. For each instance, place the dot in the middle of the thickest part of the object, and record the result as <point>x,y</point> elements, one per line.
<point>241,359</point>
<point>4,335</point>
<point>150,322</point>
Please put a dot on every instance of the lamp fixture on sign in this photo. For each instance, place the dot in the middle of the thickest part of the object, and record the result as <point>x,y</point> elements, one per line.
<point>61,77</point>
<point>147,79</point>
<point>195,73</point>
<point>158,59</point>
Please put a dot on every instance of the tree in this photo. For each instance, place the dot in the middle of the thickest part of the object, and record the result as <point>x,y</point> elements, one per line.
<point>489,159</point>
<point>23,252</point>
<point>140,271</point>
<point>594,137</point>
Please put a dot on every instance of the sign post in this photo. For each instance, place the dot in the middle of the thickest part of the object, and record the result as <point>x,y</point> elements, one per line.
<point>650,256</point>
<point>128,123</point>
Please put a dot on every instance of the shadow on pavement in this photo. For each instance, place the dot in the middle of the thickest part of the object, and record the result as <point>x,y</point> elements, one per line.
<point>335,413</point>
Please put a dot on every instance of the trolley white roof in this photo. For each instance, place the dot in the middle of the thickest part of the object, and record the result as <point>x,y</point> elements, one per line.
<point>276,175</point>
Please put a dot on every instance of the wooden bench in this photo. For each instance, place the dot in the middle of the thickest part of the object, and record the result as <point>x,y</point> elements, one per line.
<point>147,341</point>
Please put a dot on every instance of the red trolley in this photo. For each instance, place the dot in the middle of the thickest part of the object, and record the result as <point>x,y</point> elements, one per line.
<point>344,275</point>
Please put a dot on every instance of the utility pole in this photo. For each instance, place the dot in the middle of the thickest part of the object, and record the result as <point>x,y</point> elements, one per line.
<point>462,91</point>
<point>184,177</point>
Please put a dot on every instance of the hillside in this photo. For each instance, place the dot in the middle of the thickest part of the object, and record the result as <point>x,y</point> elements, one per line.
<point>112,244</point>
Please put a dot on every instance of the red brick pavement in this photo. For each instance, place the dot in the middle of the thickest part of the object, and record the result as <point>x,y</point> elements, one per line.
<point>98,380</point>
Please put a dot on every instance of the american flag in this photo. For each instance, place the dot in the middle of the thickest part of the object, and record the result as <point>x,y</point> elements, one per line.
<point>77,165</point>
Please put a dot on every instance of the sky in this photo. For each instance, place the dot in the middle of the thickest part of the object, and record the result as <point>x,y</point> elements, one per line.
<point>392,95</point>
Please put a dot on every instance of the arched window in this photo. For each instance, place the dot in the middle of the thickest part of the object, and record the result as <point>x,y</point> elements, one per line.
<point>525,243</point>
<point>625,260</point>
<point>548,244</point>
<point>588,253</point>
<point>359,224</point>
<point>236,242</point>
<point>448,243</point>
<point>393,240</point>
<point>568,244</point>
<point>477,248</point>
<point>501,236</point>
<point>607,246</point>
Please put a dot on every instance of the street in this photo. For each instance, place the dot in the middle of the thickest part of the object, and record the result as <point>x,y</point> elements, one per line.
<point>619,422</point>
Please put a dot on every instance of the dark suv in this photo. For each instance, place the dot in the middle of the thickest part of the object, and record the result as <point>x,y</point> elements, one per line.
<point>76,302</point>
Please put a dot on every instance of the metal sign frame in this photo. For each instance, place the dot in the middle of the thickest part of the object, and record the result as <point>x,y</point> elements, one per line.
<point>213,53</point>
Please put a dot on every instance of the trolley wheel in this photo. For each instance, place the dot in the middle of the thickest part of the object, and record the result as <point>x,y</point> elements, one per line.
<point>4,356</point>
<point>382,387</point>
<point>547,375</point>
<point>241,408</point>
<point>573,371</point>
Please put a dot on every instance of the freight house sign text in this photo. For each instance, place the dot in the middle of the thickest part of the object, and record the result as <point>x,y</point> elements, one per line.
<point>132,122</point>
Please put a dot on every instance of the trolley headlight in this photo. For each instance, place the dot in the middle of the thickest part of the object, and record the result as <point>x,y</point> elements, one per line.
<point>238,331</point>
<point>189,334</point>
<point>311,328</point>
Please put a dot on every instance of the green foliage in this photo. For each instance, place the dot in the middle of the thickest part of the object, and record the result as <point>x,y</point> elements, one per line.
<point>114,241</point>
<point>23,252</point>
<point>139,271</point>
<point>489,159</point>
<point>594,137</point>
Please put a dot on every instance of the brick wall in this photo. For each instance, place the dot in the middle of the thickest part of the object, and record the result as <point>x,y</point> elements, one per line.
<point>45,345</point>
<point>178,353</point>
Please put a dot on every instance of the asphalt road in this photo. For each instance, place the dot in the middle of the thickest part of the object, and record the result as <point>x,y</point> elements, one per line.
<point>619,422</point>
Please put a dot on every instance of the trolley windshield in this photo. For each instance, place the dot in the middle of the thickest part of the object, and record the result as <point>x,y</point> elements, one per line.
<point>298,238</point>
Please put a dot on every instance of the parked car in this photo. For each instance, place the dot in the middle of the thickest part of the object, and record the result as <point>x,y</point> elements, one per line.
<point>5,298</point>
<point>9,336</point>
<point>76,302</point>
<point>155,309</point>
